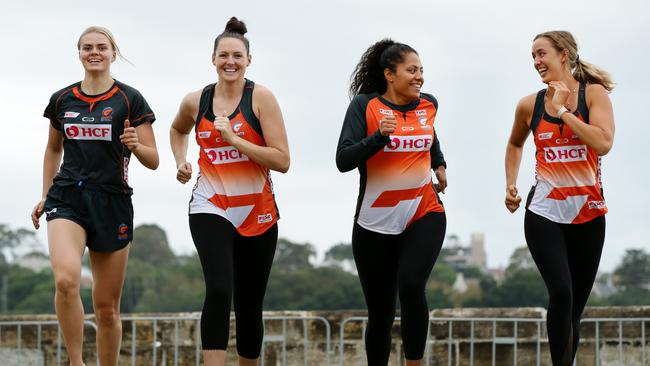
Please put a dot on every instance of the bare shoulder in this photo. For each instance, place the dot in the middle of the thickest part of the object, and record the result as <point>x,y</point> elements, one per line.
<point>192,99</point>
<point>262,92</point>
<point>525,107</point>
<point>595,90</point>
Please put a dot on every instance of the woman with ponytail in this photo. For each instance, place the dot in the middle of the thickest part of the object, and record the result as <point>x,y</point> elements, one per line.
<point>399,224</point>
<point>232,213</point>
<point>573,126</point>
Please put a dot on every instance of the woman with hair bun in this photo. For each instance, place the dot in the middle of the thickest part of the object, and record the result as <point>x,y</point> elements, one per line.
<point>400,223</point>
<point>573,126</point>
<point>232,213</point>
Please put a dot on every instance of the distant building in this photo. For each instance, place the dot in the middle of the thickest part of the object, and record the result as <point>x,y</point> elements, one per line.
<point>459,256</point>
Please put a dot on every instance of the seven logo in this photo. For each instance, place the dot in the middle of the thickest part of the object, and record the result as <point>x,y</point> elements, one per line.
<point>421,112</point>
<point>596,205</point>
<point>386,112</point>
<point>409,143</point>
<point>77,131</point>
<point>71,114</point>
<point>545,136</point>
<point>565,154</point>
<point>204,134</point>
<point>261,219</point>
<point>225,155</point>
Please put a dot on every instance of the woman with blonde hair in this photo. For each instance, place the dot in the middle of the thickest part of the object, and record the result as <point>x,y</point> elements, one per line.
<point>96,125</point>
<point>573,127</point>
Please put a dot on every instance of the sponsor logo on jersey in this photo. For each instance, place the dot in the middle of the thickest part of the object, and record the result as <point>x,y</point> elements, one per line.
<point>88,119</point>
<point>71,115</point>
<point>123,232</point>
<point>420,112</point>
<point>565,154</point>
<point>106,114</point>
<point>545,136</point>
<point>596,205</point>
<point>575,137</point>
<point>408,128</point>
<point>386,112</point>
<point>125,172</point>
<point>409,143</point>
<point>204,134</point>
<point>78,131</point>
<point>562,141</point>
<point>50,212</point>
<point>225,155</point>
<point>262,219</point>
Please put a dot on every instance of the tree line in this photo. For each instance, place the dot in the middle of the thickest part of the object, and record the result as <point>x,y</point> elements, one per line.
<point>158,280</point>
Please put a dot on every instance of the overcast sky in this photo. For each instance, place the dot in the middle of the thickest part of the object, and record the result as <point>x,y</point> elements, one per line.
<point>476,56</point>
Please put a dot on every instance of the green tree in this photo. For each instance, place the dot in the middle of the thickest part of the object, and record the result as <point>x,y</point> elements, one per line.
<point>150,245</point>
<point>634,270</point>
<point>341,256</point>
<point>291,257</point>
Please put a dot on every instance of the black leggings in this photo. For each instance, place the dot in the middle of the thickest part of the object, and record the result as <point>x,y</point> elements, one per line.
<point>235,268</point>
<point>388,264</point>
<point>567,256</point>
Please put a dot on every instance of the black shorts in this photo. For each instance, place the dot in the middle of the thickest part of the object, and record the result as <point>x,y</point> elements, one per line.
<point>106,217</point>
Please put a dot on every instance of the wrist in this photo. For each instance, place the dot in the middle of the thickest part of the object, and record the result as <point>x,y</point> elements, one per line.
<point>562,110</point>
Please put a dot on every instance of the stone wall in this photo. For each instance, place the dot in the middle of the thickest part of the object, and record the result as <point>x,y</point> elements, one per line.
<point>305,341</point>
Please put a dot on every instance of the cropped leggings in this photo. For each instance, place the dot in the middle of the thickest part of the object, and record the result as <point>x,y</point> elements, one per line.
<point>236,269</point>
<point>392,264</point>
<point>567,256</point>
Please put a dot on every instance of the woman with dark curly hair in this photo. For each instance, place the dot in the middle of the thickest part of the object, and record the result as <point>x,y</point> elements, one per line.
<point>400,222</point>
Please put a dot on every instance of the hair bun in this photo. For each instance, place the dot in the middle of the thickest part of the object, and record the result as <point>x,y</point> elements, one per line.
<point>235,25</point>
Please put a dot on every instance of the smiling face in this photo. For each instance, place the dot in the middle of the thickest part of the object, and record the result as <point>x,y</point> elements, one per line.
<point>550,63</point>
<point>96,52</point>
<point>231,59</point>
<point>407,79</point>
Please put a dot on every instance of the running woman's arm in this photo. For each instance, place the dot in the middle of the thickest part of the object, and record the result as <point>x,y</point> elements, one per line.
<point>51,163</point>
<point>599,132</point>
<point>438,164</point>
<point>179,134</point>
<point>142,143</point>
<point>354,147</point>
<point>518,136</point>
<point>275,155</point>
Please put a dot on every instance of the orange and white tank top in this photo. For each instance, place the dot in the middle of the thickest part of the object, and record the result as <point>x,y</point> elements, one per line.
<point>398,185</point>
<point>229,183</point>
<point>568,186</point>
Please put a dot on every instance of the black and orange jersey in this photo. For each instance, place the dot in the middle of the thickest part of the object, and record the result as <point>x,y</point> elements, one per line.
<point>395,186</point>
<point>229,183</point>
<point>91,126</point>
<point>568,186</point>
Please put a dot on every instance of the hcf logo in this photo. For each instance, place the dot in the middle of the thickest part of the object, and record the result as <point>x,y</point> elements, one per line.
<point>565,154</point>
<point>409,143</point>
<point>78,131</point>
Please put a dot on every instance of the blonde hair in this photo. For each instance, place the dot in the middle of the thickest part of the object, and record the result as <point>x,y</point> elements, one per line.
<point>107,34</point>
<point>583,71</point>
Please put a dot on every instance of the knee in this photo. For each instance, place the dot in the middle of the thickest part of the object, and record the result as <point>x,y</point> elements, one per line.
<point>411,291</point>
<point>107,315</point>
<point>561,295</point>
<point>217,294</point>
<point>67,286</point>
